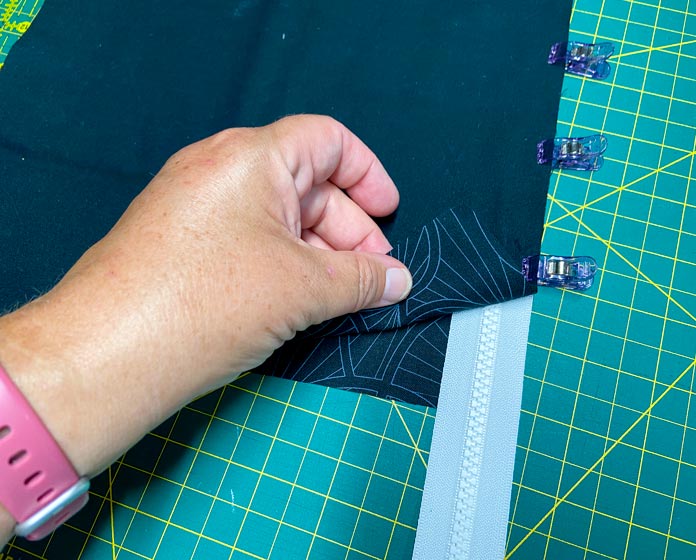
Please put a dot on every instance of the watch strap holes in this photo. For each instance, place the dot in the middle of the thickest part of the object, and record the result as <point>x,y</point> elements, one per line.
<point>33,479</point>
<point>17,457</point>
<point>47,494</point>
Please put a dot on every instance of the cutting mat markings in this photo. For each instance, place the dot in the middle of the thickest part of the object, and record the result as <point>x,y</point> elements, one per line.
<point>606,413</point>
<point>573,354</point>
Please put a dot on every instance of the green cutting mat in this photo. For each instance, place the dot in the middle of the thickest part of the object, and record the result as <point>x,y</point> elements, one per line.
<point>262,469</point>
<point>606,460</point>
<point>606,466</point>
<point>15,17</point>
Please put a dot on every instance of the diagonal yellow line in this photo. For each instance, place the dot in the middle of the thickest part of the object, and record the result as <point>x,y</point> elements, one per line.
<point>650,49</point>
<point>111,516</point>
<point>645,277</point>
<point>616,190</point>
<point>413,441</point>
<point>604,455</point>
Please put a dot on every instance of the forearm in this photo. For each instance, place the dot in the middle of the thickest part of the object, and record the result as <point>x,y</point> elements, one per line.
<point>90,371</point>
<point>85,385</point>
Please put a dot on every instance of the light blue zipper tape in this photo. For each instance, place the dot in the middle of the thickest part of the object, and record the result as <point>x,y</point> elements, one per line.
<point>475,433</point>
<point>466,498</point>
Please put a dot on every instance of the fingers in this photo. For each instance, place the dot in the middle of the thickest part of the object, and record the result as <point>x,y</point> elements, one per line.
<point>324,158</point>
<point>317,148</point>
<point>311,238</point>
<point>337,221</point>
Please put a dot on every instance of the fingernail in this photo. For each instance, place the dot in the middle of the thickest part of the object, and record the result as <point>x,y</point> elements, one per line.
<point>397,285</point>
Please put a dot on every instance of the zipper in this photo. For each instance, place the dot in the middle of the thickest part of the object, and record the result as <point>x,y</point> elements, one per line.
<point>476,423</point>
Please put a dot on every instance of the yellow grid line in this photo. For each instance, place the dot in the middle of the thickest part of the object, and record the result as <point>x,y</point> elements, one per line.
<point>424,418</point>
<point>425,412</point>
<point>265,462</point>
<point>548,534</point>
<point>333,477</point>
<point>222,480</point>
<point>590,510</point>
<point>669,297</point>
<point>604,436</point>
<point>653,49</point>
<point>514,507</point>
<point>688,404</point>
<point>136,510</point>
<point>659,356</point>
<point>367,486</point>
<point>644,276</point>
<point>168,521</point>
<point>639,193</point>
<point>415,446</point>
<point>144,490</point>
<point>410,436</point>
<point>608,477</point>
<point>600,460</point>
<point>646,222</point>
<point>553,199</point>
<point>675,10</point>
<point>616,190</point>
<point>624,87</point>
<point>110,497</point>
<point>249,508</point>
<point>272,477</point>
<point>664,121</point>
<point>294,444</point>
<point>644,48</point>
<point>294,484</point>
<point>116,547</point>
<point>594,309</point>
<point>410,470</point>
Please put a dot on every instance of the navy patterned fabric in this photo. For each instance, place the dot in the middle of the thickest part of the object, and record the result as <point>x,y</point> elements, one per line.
<point>455,264</point>
<point>398,352</point>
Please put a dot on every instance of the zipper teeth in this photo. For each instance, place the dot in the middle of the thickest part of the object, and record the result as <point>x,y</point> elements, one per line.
<point>477,419</point>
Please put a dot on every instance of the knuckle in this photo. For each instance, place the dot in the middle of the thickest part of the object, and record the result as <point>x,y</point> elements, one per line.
<point>366,293</point>
<point>179,156</point>
<point>233,136</point>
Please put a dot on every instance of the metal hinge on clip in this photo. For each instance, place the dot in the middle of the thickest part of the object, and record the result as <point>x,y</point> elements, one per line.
<point>583,59</point>
<point>584,154</point>
<point>573,273</point>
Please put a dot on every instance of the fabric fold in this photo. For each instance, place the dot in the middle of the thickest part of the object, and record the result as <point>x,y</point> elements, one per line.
<point>398,352</point>
<point>456,264</point>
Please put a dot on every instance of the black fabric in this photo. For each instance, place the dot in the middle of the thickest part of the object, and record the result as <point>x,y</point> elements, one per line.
<point>452,96</point>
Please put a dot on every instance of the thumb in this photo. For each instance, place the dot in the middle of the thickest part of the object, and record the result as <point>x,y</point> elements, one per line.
<point>359,280</point>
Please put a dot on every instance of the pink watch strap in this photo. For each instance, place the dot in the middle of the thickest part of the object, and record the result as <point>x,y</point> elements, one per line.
<point>38,485</point>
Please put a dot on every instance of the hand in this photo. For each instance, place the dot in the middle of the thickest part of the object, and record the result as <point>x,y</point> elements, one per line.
<point>240,241</point>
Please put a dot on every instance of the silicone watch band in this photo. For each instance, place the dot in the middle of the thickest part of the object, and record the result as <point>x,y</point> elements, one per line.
<point>38,485</point>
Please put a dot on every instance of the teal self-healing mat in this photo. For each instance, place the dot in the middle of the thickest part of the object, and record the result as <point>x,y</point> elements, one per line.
<point>262,469</point>
<point>606,461</point>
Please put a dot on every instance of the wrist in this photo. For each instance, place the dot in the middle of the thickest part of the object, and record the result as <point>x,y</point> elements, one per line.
<point>7,524</point>
<point>95,384</point>
<point>91,389</point>
<point>51,384</point>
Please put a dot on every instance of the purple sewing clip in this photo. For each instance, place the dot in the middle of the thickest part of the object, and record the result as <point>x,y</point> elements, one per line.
<point>584,154</point>
<point>573,273</point>
<point>583,59</point>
